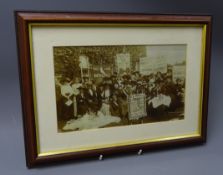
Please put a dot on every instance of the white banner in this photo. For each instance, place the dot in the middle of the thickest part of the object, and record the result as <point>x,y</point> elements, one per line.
<point>84,63</point>
<point>152,65</point>
<point>145,65</point>
<point>123,61</point>
<point>160,64</point>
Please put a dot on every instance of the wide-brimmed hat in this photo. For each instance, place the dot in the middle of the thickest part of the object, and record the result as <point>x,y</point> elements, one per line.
<point>81,87</point>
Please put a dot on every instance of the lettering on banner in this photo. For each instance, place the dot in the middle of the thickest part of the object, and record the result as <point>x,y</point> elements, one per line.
<point>137,106</point>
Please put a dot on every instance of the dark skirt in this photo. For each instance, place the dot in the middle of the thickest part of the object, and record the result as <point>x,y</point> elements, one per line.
<point>64,112</point>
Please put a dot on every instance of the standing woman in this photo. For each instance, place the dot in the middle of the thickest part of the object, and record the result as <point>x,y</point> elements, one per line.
<point>76,91</point>
<point>123,101</point>
<point>59,97</point>
<point>106,94</point>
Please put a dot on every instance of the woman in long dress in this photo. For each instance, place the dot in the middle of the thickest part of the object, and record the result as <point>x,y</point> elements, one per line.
<point>106,94</point>
<point>67,95</point>
<point>76,91</point>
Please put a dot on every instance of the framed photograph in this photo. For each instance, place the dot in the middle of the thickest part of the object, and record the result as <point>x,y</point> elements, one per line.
<point>102,84</point>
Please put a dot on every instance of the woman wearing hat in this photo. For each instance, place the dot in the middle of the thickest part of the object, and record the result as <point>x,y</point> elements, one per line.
<point>76,91</point>
<point>67,95</point>
<point>82,103</point>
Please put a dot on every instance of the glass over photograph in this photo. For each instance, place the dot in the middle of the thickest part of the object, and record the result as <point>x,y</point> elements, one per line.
<point>117,85</point>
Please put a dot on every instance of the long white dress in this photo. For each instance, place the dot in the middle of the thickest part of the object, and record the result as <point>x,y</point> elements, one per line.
<point>105,108</point>
<point>91,121</point>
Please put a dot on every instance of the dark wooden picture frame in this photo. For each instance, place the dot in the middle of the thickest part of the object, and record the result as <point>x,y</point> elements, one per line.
<point>23,19</point>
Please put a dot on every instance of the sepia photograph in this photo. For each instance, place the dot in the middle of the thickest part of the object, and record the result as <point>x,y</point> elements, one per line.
<point>117,85</point>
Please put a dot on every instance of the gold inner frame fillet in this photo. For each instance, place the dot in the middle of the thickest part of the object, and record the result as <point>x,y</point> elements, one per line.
<point>124,143</point>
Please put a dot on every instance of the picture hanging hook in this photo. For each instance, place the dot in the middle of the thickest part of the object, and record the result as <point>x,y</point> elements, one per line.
<point>100,157</point>
<point>139,152</point>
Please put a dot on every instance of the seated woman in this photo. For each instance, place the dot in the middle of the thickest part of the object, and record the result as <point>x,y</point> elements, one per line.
<point>158,105</point>
<point>115,108</point>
